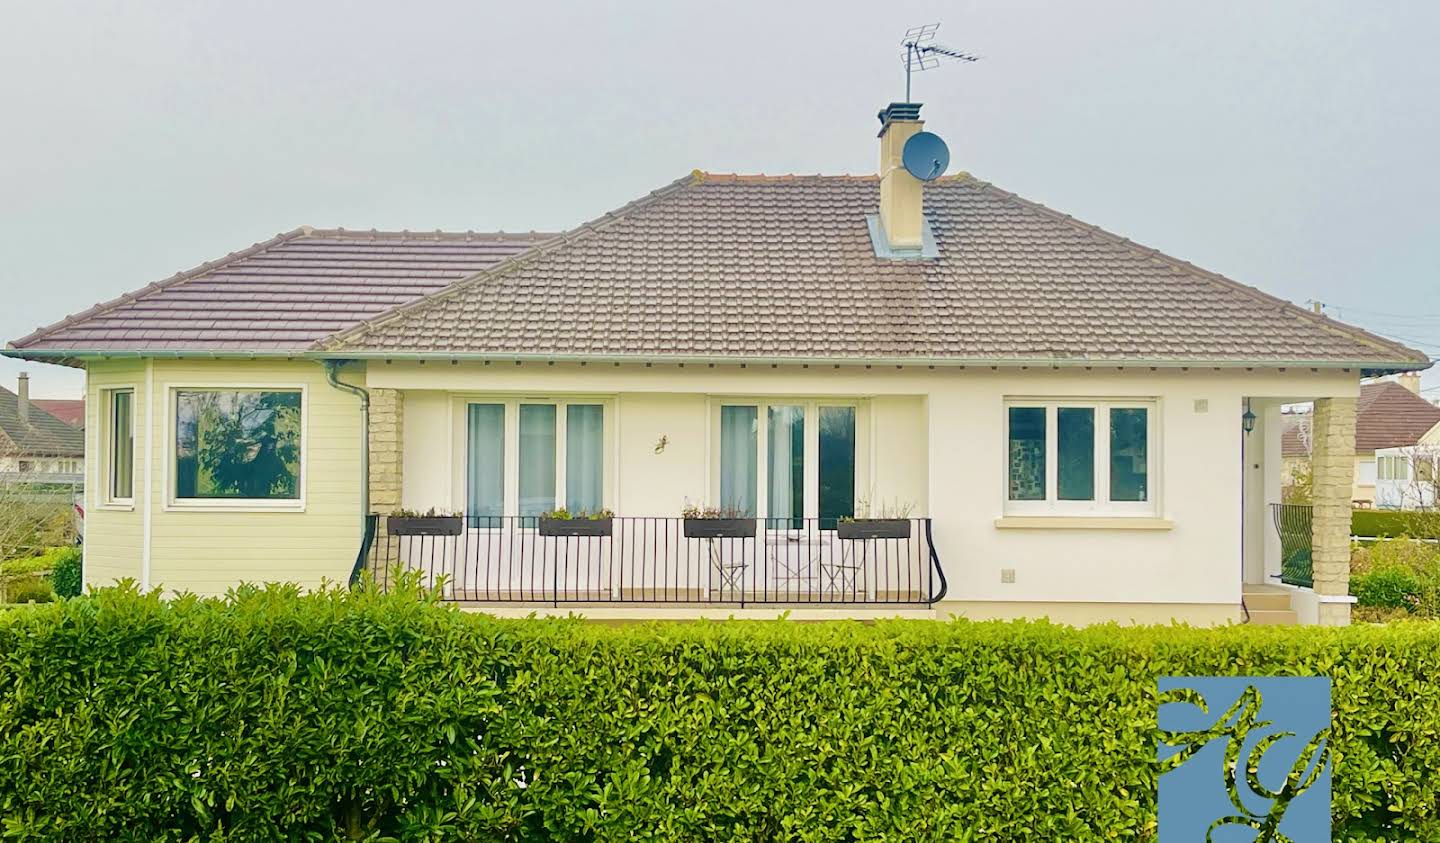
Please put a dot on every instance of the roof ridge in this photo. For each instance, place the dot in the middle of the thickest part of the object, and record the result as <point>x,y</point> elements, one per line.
<point>582,231</point>
<point>1319,320</point>
<point>724,178</point>
<point>156,286</point>
<point>437,234</point>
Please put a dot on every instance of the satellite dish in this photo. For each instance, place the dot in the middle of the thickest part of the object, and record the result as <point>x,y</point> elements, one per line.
<point>925,156</point>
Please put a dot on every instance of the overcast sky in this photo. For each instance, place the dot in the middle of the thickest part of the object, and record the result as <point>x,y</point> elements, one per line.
<point>1289,145</point>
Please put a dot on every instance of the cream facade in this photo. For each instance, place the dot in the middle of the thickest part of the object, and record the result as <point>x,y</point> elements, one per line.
<point>934,439</point>
<point>206,547</point>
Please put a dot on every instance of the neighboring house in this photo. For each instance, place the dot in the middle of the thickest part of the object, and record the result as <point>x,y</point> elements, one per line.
<point>1408,477</point>
<point>70,411</point>
<point>1390,415</point>
<point>35,446</point>
<point>1060,413</point>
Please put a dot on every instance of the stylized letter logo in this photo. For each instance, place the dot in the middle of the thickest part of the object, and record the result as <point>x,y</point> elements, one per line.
<point>1238,778</point>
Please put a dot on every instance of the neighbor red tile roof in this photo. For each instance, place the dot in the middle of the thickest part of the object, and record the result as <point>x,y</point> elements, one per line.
<point>70,411</point>
<point>40,435</point>
<point>783,267</point>
<point>284,293</point>
<point>717,266</point>
<point>1387,416</point>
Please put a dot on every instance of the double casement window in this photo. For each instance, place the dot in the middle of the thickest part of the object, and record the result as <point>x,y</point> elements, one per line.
<point>1394,468</point>
<point>787,460</point>
<point>529,458</point>
<point>119,447</point>
<point>236,446</point>
<point>1080,457</point>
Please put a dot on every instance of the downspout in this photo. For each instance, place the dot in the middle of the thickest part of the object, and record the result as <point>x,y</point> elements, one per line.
<point>332,372</point>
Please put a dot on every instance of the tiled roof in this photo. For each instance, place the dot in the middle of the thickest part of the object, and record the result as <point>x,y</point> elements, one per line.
<point>783,268</point>
<point>43,435</point>
<point>284,293</point>
<point>1387,416</point>
<point>71,411</point>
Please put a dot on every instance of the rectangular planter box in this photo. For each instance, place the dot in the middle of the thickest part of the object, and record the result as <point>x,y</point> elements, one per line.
<point>443,525</point>
<point>719,528</point>
<point>577,526</point>
<point>874,528</point>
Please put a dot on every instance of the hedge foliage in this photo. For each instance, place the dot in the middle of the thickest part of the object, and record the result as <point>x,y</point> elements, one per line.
<point>1381,523</point>
<point>341,715</point>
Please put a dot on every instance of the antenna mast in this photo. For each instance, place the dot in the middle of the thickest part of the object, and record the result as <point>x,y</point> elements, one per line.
<point>922,53</point>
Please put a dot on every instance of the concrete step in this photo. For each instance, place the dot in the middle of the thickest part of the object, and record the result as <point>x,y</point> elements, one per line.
<point>1267,600</point>
<point>1272,617</point>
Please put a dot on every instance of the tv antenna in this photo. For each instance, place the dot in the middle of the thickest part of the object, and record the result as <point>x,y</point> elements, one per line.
<point>922,53</point>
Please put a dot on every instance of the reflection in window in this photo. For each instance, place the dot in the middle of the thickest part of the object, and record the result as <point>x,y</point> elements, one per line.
<point>122,445</point>
<point>237,444</point>
<point>1027,454</point>
<point>1075,440</point>
<point>837,465</point>
<point>1128,453</point>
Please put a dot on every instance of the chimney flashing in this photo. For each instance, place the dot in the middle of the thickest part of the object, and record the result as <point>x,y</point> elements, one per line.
<point>929,247</point>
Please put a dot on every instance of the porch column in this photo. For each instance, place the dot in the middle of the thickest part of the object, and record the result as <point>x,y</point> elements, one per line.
<point>1332,463</point>
<point>387,433</point>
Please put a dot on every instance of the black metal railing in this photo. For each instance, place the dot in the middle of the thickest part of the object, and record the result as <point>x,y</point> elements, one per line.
<point>1293,522</point>
<point>514,559</point>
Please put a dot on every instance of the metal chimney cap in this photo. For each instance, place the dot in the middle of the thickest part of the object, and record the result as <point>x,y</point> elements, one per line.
<point>896,112</point>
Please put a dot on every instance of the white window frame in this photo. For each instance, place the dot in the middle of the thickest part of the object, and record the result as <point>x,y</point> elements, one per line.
<point>1101,506</point>
<point>172,503</point>
<point>108,500</point>
<point>812,448</point>
<point>512,403</point>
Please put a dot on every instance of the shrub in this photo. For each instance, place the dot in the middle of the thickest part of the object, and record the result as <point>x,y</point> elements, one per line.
<point>28,590</point>
<point>1387,588</point>
<point>65,572</point>
<point>338,715</point>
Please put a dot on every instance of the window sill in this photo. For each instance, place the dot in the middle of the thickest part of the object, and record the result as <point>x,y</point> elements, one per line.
<point>117,506</point>
<point>1066,522</point>
<point>234,506</point>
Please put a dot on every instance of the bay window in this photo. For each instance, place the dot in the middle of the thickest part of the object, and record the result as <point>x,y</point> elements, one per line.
<point>1080,457</point>
<point>553,459</point>
<point>801,463</point>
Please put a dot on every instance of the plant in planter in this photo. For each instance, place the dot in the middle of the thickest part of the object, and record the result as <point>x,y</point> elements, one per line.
<point>432,522</point>
<point>562,522</point>
<point>710,522</point>
<point>891,521</point>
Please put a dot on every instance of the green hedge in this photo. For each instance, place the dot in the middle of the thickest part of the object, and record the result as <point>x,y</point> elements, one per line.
<point>269,716</point>
<point>1381,523</point>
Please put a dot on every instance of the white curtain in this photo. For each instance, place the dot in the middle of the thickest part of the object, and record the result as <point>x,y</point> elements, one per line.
<point>485,465</point>
<point>786,465</point>
<point>537,458</point>
<point>584,457</point>
<point>738,468</point>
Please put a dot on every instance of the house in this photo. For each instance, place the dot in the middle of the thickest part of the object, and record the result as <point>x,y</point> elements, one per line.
<point>1408,476</point>
<point>35,446</point>
<point>1390,414</point>
<point>67,410</point>
<point>1051,420</point>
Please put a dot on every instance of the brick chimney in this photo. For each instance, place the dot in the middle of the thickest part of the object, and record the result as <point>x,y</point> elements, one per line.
<point>1409,380</point>
<point>900,192</point>
<point>22,390</point>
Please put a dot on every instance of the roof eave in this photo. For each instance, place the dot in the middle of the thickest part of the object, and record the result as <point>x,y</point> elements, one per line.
<point>78,356</point>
